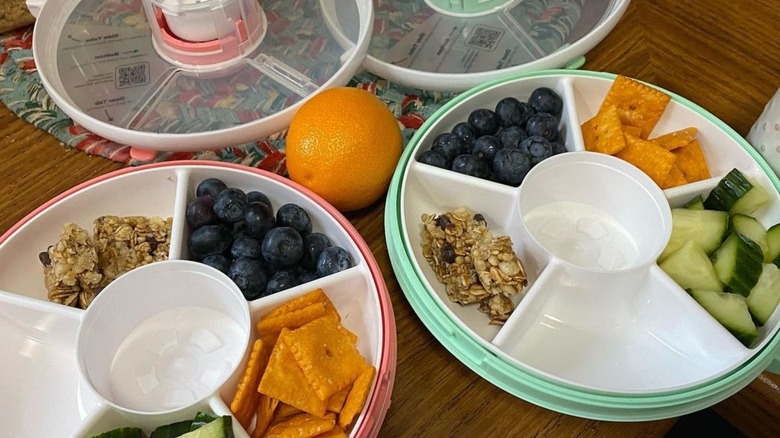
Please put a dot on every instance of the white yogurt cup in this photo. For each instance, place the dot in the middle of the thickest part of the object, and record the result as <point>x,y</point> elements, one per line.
<point>163,337</point>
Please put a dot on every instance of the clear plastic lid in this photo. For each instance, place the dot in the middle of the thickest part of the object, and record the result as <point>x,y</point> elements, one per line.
<point>192,74</point>
<point>452,45</point>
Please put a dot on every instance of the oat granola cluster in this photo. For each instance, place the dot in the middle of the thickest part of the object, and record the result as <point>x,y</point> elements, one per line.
<point>474,265</point>
<point>78,266</point>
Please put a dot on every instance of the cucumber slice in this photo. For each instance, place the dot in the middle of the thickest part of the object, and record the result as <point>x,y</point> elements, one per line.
<point>222,427</point>
<point>751,228</point>
<point>696,203</point>
<point>731,311</point>
<point>765,294</point>
<point>123,432</point>
<point>736,193</point>
<point>738,263</point>
<point>705,227</point>
<point>181,427</point>
<point>690,268</point>
<point>773,242</point>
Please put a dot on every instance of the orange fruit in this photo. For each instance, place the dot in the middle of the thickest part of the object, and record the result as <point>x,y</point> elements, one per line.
<point>344,144</point>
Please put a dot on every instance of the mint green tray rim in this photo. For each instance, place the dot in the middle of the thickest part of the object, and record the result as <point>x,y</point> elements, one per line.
<point>524,382</point>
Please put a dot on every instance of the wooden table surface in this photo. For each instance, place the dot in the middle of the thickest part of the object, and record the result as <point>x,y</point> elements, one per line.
<point>722,54</point>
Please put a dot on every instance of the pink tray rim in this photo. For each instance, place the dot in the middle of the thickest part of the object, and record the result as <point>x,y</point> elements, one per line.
<point>379,403</point>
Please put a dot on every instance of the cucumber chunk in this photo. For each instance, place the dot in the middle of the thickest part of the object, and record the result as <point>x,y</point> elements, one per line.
<point>705,227</point>
<point>738,263</point>
<point>765,294</point>
<point>222,427</point>
<point>690,268</point>
<point>773,242</point>
<point>736,193</point>
<point>751,228</point>
<point>731,311</point>
<point>123,432</point>
<point>696,203</point>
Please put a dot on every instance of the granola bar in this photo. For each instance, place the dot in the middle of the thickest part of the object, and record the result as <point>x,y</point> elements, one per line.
<point>125,243</point>
<point>474,265</point>
<point>70,268</point>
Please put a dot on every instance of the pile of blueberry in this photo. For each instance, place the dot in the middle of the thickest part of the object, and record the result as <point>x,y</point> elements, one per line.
<point>262,252</point>
<point>503,144</point>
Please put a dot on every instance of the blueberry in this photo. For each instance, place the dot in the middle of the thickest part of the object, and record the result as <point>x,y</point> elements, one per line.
<point>465,131</point>
<point>246,246</point>
<point>510,166</point>
<point>292,215</point>
<point>511,136</point>
<point>484,121</point>
<point>230,205</point>
<point>200,212</point>
<point>210,240</point>
<point>307,276</point>
<point>313,245</point>
<point>536,148</point>
<point>217,261</point>
<point>448,144</point>
<point>543,124</point>
<point>333,259</point>
<point>512,112</point>
<point>468,164</point>
<point>282,247</point>
<point>255,196</point>
<point>249,275</point>
<point>434,158</point>
<point>239,229</point>
<point>280,281</point>
<point>485,147</point>
<point>258,219</point>
<point>545,100</point>
<point>558,148</point>
<point>210,187</point>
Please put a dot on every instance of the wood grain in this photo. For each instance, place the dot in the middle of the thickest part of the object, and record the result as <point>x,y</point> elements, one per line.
<point>723,55</point>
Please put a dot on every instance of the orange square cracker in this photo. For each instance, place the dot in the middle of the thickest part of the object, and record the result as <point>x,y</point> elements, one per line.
<point>284,410</point>
<point>603,133</point>
<point>638,104</point>
<point>632,130</point>
<point>336,401</point>
<point>284,379</point>
<point>650,158</point>
<point>315,296</point>
<point>336,432</point>
<point>676,139</point>
<point>302,426</point>
<point>265,413</point>
<point>291,320</point>
<point>326,353</point>
<point>692,163</point>
<point>357,396</point>
<point>674,179</point>
<point>244,403</point>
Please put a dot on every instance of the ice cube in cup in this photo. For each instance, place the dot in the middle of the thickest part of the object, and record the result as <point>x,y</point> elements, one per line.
<point>595,211</point>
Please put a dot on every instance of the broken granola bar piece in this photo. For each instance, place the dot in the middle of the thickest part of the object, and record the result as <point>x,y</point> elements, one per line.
<point>474,265</point>
<point>70,268</point>
<point>125,243</point>
<point>446,243</point>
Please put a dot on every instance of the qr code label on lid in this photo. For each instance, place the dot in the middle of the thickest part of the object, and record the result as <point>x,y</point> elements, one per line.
<point>132,75</point>
<point>484,37</point>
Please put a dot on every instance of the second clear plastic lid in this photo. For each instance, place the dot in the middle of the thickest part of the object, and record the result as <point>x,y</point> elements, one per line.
<point>417,45</point>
